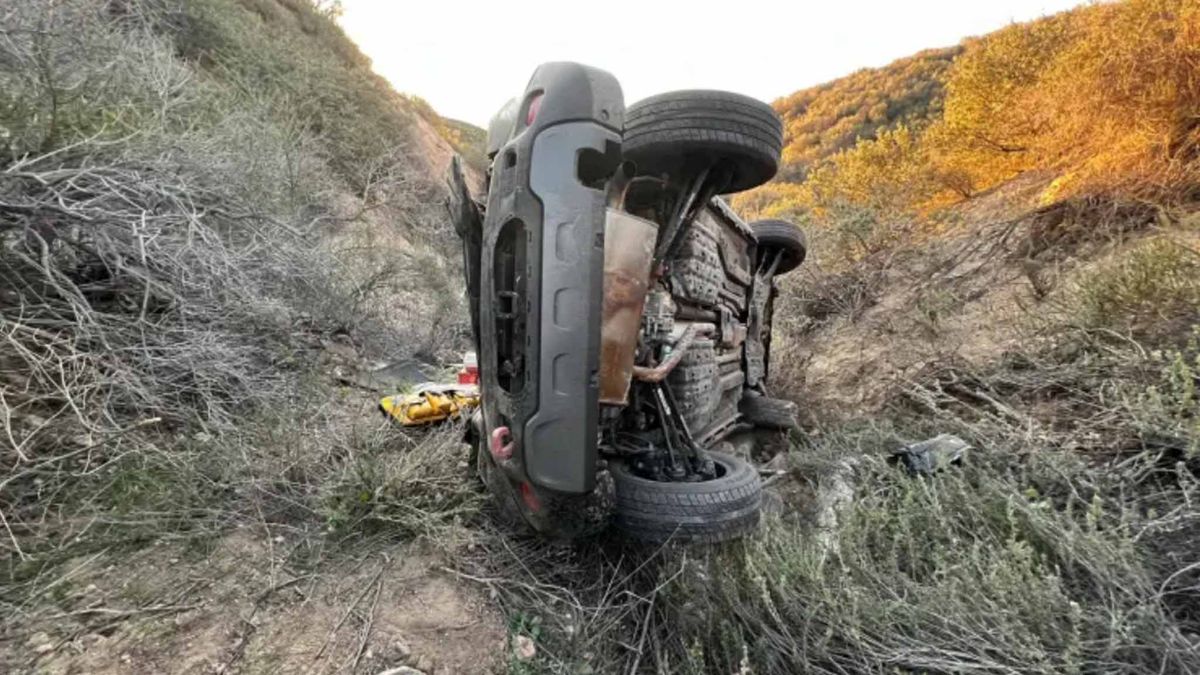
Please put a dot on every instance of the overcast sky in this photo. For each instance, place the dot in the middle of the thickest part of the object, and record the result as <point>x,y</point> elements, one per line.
<point>468,58</point>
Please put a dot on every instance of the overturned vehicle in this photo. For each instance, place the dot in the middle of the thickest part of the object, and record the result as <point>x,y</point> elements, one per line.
<point>621,311</point>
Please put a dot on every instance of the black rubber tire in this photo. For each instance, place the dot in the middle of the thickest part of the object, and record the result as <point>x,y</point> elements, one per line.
<point>711,511</point>
<point>780,235</point>
<point>686,130</point>
<point>770,413</point>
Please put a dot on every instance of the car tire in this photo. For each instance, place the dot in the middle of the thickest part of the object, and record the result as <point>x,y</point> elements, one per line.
<point>717,510</point>
<point>770,413</point>
<point>780,235</point>
<point>686,130</point>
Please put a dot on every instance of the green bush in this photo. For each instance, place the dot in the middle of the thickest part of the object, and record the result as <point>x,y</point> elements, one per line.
<point>1149,288</point>
<point>1168,412</point>
<point>993,567</point>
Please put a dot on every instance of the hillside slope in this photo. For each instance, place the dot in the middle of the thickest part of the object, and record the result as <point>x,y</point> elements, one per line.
<point>1101,97</point>
<point>216,226</point>
<point>221,240</point>
<point>1019,268</point>
<point>823,120</point>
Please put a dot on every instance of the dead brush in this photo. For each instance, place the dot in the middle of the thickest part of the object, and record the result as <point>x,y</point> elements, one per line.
<point>591,606</point>
<point>819,297</point>
<point>124,304</point>
<point>1063,543</point>
<point>160,277</point>
<point>405,485</point>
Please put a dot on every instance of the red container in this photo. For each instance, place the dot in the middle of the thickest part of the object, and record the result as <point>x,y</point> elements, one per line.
<point>470,369</point>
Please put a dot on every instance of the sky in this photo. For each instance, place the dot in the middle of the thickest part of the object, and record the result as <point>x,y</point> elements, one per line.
<point>468,58</point>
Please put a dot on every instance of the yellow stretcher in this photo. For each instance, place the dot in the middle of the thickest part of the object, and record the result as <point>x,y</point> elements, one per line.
<point>431,403</point>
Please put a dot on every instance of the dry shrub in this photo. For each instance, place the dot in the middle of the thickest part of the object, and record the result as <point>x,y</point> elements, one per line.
<point>1063,543</point>
<point>1079,227</point>
<point>1151,289</point>
<point>404,485</point>
<point>1120,102</point>
<point>988,568</point>
<point>817,297</point>
<point>166,267</point>
<point>589,606</point>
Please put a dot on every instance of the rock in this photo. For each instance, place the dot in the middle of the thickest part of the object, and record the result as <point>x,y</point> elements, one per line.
<point>777,464</point>
<point>185,618</point>
<point>524,648</point>
<point>40,643</point>
<point>402,670</point>
<point>835,493</point>
<point>403,651</point>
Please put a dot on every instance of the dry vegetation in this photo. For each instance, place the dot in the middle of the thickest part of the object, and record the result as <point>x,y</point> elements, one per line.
<point>1103,97</point>
<point>1064,543</point>
<point>207,208</point>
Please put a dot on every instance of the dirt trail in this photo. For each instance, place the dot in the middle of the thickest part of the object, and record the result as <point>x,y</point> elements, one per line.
<point>240,607</point>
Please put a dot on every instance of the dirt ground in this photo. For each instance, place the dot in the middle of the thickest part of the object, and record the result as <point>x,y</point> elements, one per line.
<point>965,297</point>
<point>238,607</point>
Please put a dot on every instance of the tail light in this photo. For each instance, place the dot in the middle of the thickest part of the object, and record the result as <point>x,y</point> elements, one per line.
<point>531,109</point>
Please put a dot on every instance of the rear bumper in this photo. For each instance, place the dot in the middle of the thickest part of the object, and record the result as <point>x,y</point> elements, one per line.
<point>541,279</point>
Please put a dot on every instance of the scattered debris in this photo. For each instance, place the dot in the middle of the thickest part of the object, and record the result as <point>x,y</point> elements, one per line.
<point>431,403</point>
<point>927,457</point>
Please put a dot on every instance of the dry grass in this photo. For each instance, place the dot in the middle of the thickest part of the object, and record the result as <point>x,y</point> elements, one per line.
<point>1063,544</point>
<point>175,245</point>
<point>177,240</point>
